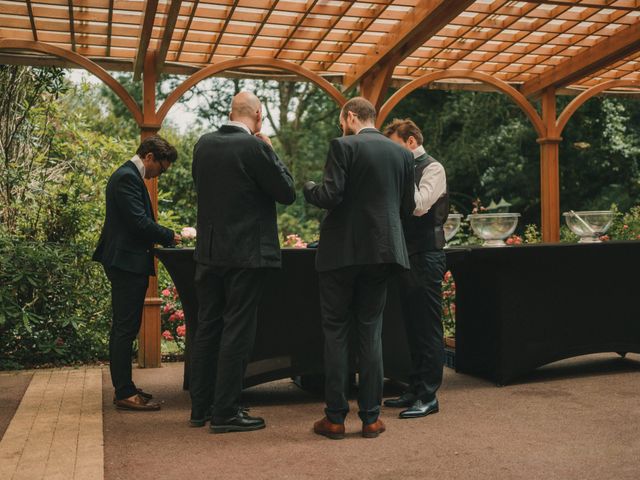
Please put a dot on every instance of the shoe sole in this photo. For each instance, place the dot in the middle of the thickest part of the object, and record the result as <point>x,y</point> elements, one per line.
<point>420,415</point>
<point>197,423</point>
<point>332,436</point>
<point>233,428</point>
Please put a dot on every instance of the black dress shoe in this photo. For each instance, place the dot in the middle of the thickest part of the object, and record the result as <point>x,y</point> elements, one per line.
<point>420,409</point>
<point>403,401</point>
<point>240,422</point>
<point>199,416</point>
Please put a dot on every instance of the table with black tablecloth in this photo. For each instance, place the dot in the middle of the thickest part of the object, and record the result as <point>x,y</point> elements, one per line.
<point>518,307</point>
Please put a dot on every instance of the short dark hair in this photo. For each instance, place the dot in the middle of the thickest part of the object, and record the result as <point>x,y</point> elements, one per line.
<point>361,108</point>
<point>404,129</point>
<point>161,149</point>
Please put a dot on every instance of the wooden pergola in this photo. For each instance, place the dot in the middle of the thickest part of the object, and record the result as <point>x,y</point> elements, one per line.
<point>528,50</point>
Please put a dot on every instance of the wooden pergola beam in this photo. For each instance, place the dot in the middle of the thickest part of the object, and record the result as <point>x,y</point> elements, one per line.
<point>586,62</point>
<point>187,28</point>
<point>72,29</point>
<point>150,10</point>
<point>167,35</point>
<point>232,9</point>
<point>32,20</point>
<point>427,19</point>
<point>627,5</point>
<point>109,28</point>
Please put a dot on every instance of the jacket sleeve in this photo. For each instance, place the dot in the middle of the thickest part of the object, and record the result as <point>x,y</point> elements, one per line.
<point>408,203</point>
<point>272,176</point>
<point>133,212</point>
<point>330,192</point>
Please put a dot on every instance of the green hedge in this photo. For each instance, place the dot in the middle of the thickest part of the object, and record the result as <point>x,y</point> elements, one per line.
<point>54,304</point>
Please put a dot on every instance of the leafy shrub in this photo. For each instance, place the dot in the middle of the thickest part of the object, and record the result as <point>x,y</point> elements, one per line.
<point>54,304</point>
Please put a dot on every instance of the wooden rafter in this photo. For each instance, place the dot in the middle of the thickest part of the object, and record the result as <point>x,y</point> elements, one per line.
<point>32,20</point>
<point>169,27</point>
<point>295,29</point>
<point>109,27</point>
<point>425,21</point>
<point>629,5</point>
<point>150,10</point>
<point>380,9</point>
<point>186,30</point>
<point>345,8</point>
<point>274,3</point>
<point>72,28</point>
<point>588,61</point>
<point>222,30</point>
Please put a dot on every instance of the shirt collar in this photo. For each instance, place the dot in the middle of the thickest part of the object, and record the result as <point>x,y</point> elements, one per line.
<point>241,125</point>
<point>139,165</point>
<point>418,152</point>
<point>366,128</point>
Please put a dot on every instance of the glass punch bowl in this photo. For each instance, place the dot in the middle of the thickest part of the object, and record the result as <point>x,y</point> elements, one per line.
<point>589,226</point>
<point>452,225</point>
<point>493,228</point>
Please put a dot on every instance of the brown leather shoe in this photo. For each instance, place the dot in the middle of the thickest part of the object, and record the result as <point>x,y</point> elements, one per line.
<point>137,403</point>
<point>373,429</point>
<point>334,431</point>
<point>145,395</point>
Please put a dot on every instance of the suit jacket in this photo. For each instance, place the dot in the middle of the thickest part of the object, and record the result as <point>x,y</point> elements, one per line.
<point>367,188</point>
<point>238,179</point>
<point>130,229</point>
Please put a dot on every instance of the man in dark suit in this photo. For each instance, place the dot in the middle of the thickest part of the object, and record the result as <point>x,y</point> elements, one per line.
<point>421,287</point>
<point>238,179</point>
<point>124,249</point>
<point>367,187</point>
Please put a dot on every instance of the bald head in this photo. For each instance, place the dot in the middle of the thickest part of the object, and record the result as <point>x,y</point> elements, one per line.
<point>245,104</point>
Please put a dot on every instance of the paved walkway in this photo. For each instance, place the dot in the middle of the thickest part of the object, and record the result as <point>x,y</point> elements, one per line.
<point>577,419</point>
<point>56,432</point>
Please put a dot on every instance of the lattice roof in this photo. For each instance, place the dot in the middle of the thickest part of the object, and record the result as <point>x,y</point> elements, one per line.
<point>530,44</point>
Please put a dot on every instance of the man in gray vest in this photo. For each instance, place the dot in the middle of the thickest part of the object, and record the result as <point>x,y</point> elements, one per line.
<point>422,285</point>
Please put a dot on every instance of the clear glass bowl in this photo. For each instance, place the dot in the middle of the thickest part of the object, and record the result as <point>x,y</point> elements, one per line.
<point>452,225</point>
<point>493,228</point>
<point>589,226</point>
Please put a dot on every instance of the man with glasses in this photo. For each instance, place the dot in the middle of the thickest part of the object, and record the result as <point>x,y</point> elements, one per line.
<point>124,249</point>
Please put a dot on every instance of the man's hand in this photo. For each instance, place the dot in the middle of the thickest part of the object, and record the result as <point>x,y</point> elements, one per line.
<point>177,239</point>
<point>308,185</point>
<point>264,138</point>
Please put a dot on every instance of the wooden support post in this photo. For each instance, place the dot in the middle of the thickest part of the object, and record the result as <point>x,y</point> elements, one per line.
<point>374,85</point>
<point>550,170</point>
<point>149,337</point>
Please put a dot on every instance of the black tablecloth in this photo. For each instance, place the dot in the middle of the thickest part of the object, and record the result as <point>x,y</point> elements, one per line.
<point>518,308</point>
<point>522,307</point>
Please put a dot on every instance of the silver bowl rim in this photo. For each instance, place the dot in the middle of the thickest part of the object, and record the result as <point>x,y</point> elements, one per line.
<point>493,215</point>
<point>589,212</point>
<point>454,215</point>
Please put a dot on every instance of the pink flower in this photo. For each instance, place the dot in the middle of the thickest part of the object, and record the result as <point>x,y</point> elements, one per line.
<point>173,317</point>
<point>188,233</point>
<point>447,276</point>
<point>181,330</point>
<point>625,226</point>
<point>167,335</point>
<point>166,292</point>
<point>167,308</point>
<point>605,238</point>
<point>180,314</point>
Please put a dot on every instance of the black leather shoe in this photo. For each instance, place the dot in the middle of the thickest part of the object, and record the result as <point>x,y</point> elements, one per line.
<point>240,422</point>
<point>420,409</point>
<point>199,416</point>
<point>403,401</point>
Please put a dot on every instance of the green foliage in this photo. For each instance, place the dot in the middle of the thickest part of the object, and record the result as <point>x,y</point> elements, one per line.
<point>54,304</point>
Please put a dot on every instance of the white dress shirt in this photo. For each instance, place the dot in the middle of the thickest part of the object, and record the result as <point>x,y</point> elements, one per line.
<point>433,185</point>
<point>241,125</point>
<point>139,165</point>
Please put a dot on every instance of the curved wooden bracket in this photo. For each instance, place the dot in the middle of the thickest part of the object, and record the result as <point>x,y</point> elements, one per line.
<point>504,87</point>
<point>211,70</point>
<point>98,71</point>
<point>577,102</point>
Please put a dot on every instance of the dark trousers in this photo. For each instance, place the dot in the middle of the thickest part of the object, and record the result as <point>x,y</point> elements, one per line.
<point>227,319</point>
<point>421,289</point>
<point>353,296</point>
<point>127,300</point>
